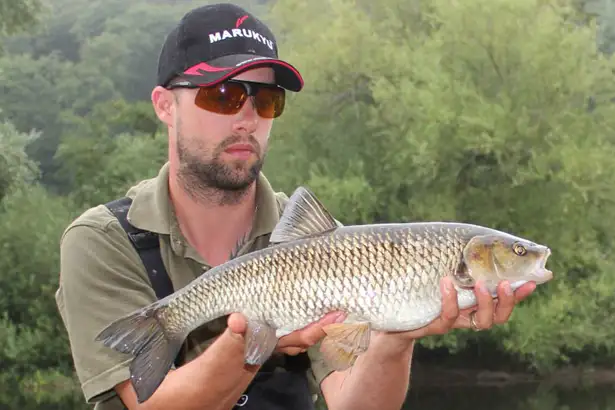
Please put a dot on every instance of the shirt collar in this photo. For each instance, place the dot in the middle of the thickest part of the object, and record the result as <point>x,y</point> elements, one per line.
<point>153,211</point>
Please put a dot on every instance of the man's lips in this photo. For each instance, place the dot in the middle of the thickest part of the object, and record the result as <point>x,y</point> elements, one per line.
<point>240,147</point>
<point>240,150</point>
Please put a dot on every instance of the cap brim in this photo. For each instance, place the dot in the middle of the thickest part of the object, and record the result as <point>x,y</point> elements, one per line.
<point>222,68</point>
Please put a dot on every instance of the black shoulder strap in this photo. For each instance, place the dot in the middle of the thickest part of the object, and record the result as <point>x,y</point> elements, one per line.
<point>147,245</point>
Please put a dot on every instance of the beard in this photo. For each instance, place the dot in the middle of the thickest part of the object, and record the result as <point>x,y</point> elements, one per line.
<point>207,178</point>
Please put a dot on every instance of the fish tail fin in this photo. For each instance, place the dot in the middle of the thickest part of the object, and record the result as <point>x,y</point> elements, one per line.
<point>145,335</point>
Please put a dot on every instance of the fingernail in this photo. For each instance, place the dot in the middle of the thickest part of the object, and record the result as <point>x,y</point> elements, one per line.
<point>482,288</point>
<point>340,317</point>
<point>507,289</point>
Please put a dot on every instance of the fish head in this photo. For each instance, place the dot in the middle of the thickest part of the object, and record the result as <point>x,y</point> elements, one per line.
<point>494,258</point>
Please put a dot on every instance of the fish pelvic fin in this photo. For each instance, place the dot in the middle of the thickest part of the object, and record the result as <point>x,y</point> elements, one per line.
<point>144,335</point>
<point>261,341</point>
<point>344,342</point>
<point>304,216</point>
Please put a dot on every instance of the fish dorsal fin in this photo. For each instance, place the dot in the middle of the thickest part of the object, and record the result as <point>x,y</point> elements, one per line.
<point>304,216</point>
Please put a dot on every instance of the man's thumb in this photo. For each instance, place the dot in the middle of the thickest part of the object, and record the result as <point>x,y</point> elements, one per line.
<point>237,325</point>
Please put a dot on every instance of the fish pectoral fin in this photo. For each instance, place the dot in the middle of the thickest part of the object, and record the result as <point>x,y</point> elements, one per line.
<point>261,341</point>
<point>304,216</point>
<point>344,342</point>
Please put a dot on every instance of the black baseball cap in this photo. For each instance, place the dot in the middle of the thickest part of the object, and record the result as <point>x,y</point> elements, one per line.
<point>215,42</point>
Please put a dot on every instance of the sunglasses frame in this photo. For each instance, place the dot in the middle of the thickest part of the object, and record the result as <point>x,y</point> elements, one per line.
<point>251,88</point>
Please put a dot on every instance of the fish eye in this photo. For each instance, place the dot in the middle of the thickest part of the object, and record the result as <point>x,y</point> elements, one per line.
<point>519,249</point>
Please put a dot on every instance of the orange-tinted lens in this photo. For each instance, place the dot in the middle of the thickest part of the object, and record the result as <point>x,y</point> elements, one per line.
<point>222,99</point>
<point>228,98</point>
<point>269,102</point>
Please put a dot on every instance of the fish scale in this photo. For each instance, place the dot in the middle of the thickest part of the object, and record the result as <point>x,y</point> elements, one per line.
<point>383,276</point>
<point>373,254</point>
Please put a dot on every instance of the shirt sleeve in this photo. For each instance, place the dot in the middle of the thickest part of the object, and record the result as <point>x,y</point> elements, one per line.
<point>101,279</point>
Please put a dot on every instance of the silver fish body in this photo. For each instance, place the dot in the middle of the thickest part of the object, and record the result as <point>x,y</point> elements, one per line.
<point>385,277</point>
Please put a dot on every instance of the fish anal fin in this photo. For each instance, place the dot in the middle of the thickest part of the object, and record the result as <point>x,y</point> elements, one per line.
<point>344,342</point>
<point>304,216</point>
<point>261,341</point>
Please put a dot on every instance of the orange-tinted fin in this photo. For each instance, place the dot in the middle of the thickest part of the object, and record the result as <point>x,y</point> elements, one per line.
<point>344,343</point>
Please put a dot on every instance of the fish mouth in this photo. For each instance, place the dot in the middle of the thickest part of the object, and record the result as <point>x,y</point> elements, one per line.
<point>543,274</point>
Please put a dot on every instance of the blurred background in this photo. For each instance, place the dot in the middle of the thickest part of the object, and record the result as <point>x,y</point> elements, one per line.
<point>496,112</point>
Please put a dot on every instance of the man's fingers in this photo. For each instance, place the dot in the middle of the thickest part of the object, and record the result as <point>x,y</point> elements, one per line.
<point>448,314</point>
<point>293,351</point>
<point>524,291</point>
<point>329,318</point>
<point>450,307</point>
<point>505,304</point>
<point>484,314</point>
<point>311,334</point>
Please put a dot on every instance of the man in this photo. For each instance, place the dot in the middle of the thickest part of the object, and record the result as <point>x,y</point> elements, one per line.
<point>220,85</point>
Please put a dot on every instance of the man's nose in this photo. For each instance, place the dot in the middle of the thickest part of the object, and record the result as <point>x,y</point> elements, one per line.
<point>247,118</point>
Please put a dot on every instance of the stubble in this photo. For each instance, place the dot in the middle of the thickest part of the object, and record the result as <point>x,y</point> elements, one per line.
<point>208,179</point>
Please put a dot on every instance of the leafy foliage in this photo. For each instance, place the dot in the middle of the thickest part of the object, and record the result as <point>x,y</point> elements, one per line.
<point>16,15</point>
<point>33,347</point>
<point>16,169</point>
<point>476,119</point>
<point>494,112</point>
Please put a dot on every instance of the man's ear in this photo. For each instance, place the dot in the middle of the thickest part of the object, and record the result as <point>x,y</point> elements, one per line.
<point>163,102</point>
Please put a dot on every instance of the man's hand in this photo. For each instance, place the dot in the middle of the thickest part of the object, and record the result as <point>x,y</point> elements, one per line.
<point>296,342</point>
<point>380,377</point>
<point>487,312</point>
<point>300,340</point>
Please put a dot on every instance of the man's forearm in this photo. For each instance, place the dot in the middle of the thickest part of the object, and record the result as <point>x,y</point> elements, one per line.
<point>213,381</point>
<point>379,379</point>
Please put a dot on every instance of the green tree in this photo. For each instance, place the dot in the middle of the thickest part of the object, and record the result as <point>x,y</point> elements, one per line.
<point>36,95</point>
<point>124,141</point>
<point>127,48</point>
<point>15,15</point>
<point>16,169</point>
<point>35,359</point>
<point>473,111</point>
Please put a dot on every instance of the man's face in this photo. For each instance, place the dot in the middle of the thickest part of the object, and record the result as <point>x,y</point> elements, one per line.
<point>219,151</point>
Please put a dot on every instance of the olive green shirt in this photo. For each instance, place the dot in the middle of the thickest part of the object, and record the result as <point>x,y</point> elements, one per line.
<point>102,278</point>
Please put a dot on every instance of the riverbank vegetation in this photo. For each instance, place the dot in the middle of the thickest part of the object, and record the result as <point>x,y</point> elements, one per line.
<point>496,112</point>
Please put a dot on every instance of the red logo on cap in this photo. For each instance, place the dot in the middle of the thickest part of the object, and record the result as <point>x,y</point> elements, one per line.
<point>240,21</point>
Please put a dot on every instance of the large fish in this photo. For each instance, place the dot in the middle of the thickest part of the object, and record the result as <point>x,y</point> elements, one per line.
<point>384,276</point>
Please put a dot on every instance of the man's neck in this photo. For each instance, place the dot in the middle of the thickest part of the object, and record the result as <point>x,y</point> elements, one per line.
<point>213,227</point>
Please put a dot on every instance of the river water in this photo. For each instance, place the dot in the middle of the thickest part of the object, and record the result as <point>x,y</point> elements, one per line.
<point>514,397</point>
<point>519,396</point>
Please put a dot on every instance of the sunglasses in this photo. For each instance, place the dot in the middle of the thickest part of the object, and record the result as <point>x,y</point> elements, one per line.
<point>229,96</point>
